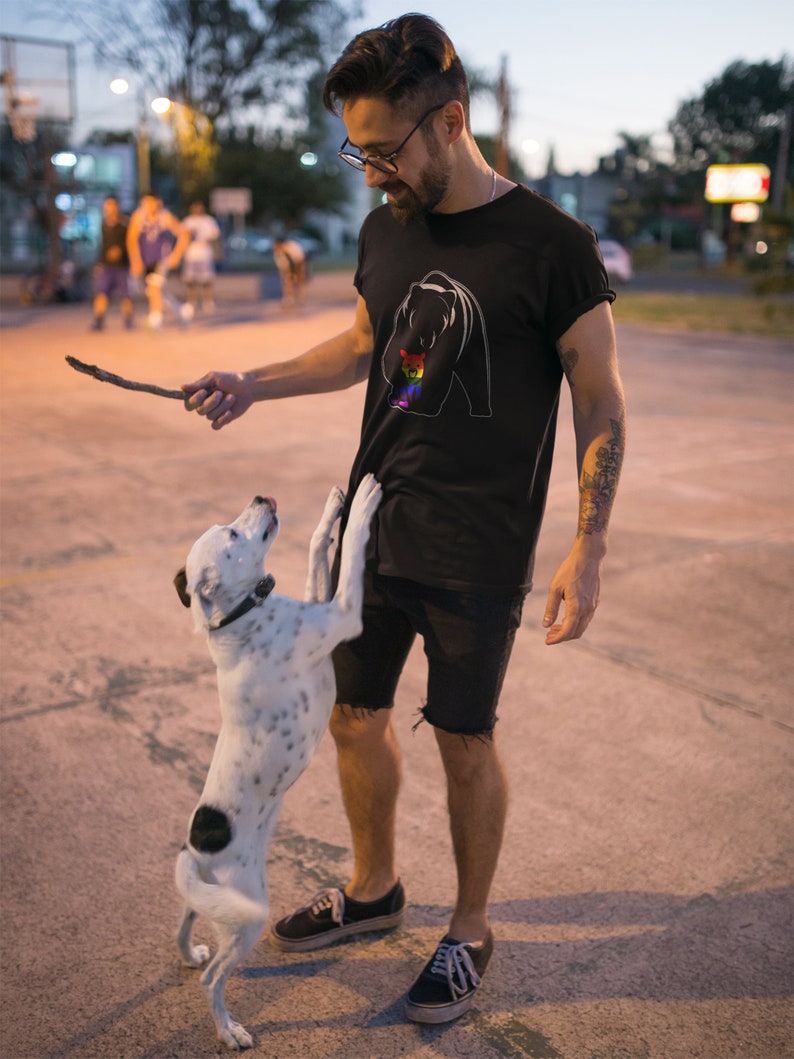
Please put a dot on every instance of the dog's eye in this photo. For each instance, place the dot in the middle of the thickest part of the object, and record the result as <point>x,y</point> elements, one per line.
<point>233,534</point>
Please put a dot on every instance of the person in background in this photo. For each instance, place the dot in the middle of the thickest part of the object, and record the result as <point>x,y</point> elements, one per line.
<point>198,267</point>
<point>156,242</point>
<point>290,258</point>
<point>476,296</point>
<point>112,270</point>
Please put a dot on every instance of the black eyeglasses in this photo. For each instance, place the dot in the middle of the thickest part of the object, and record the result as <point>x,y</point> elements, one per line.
<point>383,163</point>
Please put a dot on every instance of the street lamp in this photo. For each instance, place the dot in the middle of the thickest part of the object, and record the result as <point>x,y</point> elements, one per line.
<point>119,86</point>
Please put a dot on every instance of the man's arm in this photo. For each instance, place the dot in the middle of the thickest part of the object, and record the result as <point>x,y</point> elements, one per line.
<point>589,359</point>
<point>182,236</point>
<point>336,364</point>
<point>133,246</point>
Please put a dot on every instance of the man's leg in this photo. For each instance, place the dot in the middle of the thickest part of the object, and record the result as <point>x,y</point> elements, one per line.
<point>477,799</point>
<point>370,770</point>
<point>100,308</point>
<point>374,899</point>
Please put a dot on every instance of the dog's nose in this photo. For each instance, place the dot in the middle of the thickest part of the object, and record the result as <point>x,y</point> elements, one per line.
<point>266,500</point>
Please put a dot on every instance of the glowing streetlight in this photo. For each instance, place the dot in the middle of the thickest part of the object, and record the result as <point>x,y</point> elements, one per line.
<point>119,86</point>
<point>161,105</point>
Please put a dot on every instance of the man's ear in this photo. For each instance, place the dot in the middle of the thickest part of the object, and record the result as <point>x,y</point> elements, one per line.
<point>454,121</point>
<point>180,584</point>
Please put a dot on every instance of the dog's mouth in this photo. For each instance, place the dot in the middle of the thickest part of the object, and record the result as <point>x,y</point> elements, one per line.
<point>272,523</point>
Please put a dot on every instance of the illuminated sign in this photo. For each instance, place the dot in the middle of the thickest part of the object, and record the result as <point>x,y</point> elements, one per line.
<point>745,212</point>
<point>737,183</point>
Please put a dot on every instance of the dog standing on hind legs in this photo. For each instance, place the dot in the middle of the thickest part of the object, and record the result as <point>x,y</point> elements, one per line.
<point>276,689</point>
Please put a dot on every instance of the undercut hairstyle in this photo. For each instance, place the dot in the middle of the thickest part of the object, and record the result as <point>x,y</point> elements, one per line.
<point>409,62</point>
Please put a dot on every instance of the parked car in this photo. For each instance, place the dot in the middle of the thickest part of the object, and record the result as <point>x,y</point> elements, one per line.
<point>617,261</point>
<point>249,241</point>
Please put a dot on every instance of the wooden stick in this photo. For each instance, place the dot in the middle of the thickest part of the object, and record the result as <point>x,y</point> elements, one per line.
<point>127,384</point>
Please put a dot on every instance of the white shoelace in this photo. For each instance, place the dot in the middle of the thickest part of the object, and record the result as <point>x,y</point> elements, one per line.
<point>454,961</point>
<point>323,899</point>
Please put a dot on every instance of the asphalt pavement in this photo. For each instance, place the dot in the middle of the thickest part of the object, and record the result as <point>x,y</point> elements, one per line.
<point>643,903</point>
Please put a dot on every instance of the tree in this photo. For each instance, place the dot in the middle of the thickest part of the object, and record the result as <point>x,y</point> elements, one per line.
<point>283,191</point>
<point>235,63</point>
<point>744,115</point>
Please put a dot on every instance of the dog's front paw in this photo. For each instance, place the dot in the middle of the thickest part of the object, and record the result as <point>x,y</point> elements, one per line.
<point>235,1036</point>
<point>365,502</point>
<point>198,956</point>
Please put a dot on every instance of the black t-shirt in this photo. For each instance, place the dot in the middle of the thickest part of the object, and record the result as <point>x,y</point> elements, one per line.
<point>113,250</point>
<point>461,405</point>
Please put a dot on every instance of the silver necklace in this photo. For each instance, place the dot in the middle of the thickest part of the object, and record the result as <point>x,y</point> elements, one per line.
<point>493,184</point>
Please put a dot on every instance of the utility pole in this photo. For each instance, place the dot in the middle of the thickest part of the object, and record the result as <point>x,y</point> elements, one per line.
<point>781,165</point>
<point>502,139</point>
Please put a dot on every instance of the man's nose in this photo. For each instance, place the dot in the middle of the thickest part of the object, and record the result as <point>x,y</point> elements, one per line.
<point>375,177</point>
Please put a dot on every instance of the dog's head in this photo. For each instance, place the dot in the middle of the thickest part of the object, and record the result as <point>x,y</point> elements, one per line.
<point>226,562</point>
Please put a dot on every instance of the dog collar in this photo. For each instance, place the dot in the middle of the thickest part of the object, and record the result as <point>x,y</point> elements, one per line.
<point>260,593</point>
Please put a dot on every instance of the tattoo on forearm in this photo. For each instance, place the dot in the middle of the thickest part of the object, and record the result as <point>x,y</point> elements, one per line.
<point>569,358</point>
<point>597,491</point>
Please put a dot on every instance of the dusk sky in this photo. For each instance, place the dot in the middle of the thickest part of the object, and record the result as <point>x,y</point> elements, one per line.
<point>580,72</point>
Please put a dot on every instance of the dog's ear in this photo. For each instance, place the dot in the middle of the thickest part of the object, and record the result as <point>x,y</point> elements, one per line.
<point>180,584</point>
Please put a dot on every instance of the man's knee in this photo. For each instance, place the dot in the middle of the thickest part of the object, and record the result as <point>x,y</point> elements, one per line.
<point>465,756</point>
<point>353,726</point>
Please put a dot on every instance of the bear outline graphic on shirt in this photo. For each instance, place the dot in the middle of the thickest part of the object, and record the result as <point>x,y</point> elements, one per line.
<point>438,341</point>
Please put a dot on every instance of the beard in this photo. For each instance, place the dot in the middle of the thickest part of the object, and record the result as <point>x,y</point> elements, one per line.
<point>430,189</point>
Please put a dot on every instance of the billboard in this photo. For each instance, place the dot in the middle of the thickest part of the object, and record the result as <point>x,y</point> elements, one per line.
<point>737,183</point>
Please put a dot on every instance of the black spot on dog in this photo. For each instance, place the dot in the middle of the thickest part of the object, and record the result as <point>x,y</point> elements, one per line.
<point>210,830</point>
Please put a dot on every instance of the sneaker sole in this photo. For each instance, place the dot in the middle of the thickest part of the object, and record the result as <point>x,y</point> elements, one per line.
<point>328,937</point>
<point>440,1013</point>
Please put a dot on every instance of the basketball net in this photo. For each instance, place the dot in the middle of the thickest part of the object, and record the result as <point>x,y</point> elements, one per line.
<point>23,126</point>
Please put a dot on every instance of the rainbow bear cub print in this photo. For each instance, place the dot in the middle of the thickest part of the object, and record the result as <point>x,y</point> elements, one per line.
<point>413,369</point>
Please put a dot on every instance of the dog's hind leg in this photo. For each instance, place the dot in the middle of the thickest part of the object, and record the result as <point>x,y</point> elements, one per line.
<point>234,944</point>
<point>192,955</point>
<point>318,581</point>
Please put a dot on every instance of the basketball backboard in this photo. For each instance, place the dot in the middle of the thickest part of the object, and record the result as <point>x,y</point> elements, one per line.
<point>38,82</point>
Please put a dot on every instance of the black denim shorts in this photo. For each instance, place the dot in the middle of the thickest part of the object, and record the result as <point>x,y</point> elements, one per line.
<point>467,638</point>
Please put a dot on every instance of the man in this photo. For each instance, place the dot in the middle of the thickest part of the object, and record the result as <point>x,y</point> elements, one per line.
<point>156,242</point>
<point>475,296</point>
<point>198,268</point>
<point>111,274</point>
<point>290,258</point>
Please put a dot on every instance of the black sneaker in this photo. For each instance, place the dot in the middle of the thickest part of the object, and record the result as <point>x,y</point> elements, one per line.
<point>332,915</point>
<point>445,989</point>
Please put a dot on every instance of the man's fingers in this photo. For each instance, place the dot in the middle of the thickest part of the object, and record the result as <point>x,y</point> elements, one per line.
<point>572,627</point>
<point>552,607</point>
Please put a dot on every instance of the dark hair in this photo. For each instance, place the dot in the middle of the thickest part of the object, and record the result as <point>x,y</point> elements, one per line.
<point>410,62</point>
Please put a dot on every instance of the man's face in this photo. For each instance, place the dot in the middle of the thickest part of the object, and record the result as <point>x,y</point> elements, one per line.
<point>422,181</point>
<point>110,209</point>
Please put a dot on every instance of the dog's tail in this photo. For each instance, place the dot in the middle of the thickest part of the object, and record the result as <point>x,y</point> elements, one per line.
<point>218,903</point>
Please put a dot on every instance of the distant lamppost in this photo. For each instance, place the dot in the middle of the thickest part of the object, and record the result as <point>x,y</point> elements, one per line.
<point>195,147</point>
<point>119,87</point>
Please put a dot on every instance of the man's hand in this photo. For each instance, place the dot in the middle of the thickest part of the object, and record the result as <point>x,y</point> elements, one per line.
<point>575,586</point>
<point>221,396</point>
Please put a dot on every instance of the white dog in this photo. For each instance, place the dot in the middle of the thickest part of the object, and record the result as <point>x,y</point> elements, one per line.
<point>276,689</point>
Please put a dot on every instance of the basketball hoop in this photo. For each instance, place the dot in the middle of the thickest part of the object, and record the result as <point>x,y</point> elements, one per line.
<point>37,83</point>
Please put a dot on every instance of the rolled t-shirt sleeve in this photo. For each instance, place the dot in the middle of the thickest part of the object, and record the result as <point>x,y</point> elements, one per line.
<point>577,279</point>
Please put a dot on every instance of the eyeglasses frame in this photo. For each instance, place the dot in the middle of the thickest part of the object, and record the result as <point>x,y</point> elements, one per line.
<point>384,163</point>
